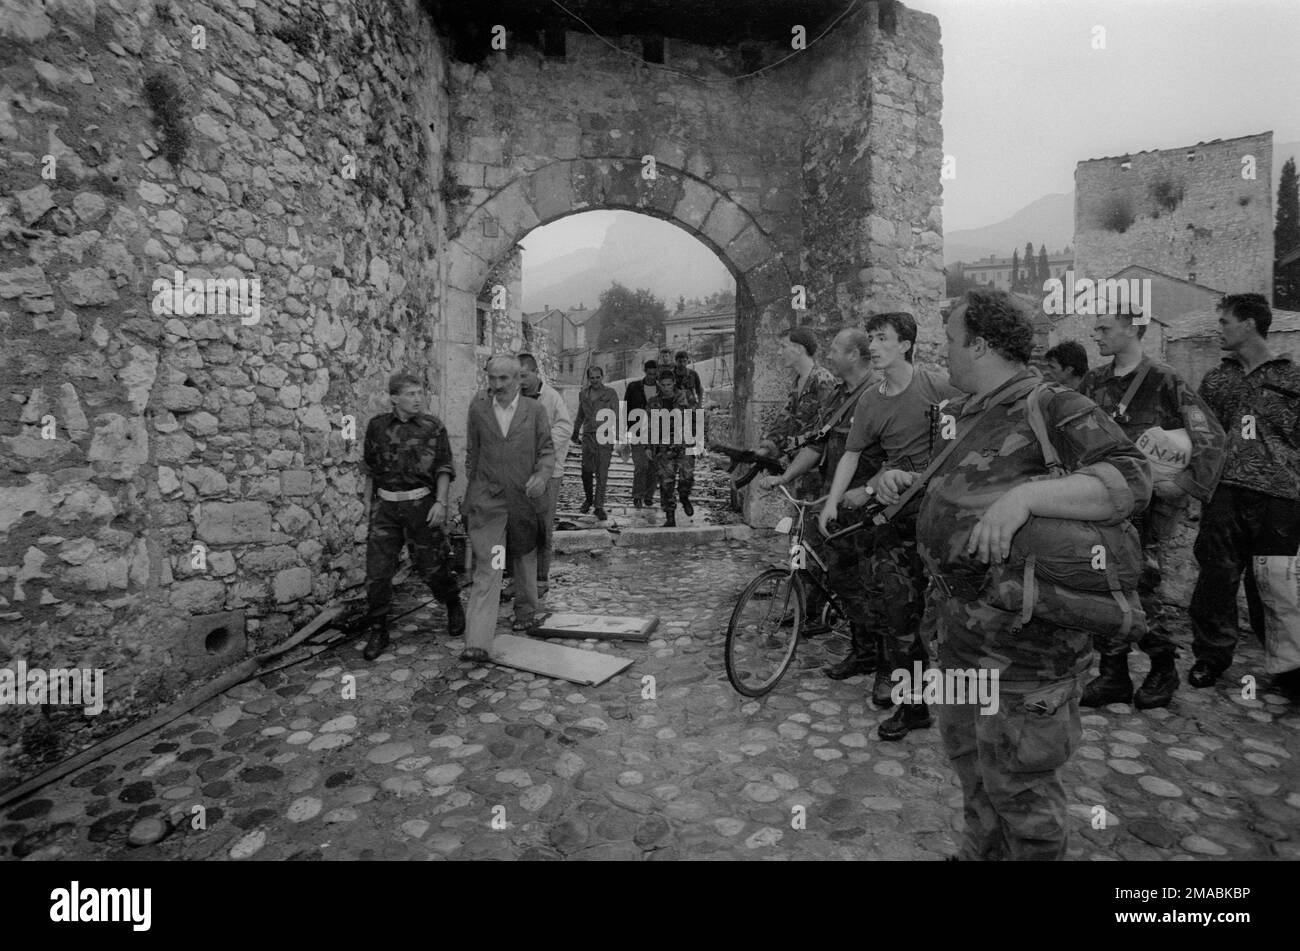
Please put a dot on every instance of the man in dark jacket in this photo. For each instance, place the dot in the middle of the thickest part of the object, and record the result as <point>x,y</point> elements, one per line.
<point>638,394</point>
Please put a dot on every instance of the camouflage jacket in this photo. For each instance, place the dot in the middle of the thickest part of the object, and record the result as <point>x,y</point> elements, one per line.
<point>1163,400</point>
<point>803,409</point>
<point>831,445</point>
<point>407,455</point>
<point>666,437</point>
<point>1260,412</point>
<point>975,629</point>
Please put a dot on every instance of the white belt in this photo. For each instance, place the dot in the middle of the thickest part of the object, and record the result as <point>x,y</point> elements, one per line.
<point>409,496</point>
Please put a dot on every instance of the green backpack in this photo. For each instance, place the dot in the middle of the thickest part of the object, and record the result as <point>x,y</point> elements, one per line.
<point>1091,557</point>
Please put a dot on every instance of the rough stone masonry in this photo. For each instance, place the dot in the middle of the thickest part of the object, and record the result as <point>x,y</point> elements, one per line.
<point>180,488</point>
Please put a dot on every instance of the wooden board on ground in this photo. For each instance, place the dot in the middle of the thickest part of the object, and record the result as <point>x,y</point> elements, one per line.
<point>589,668</point>
<point>601,627</point>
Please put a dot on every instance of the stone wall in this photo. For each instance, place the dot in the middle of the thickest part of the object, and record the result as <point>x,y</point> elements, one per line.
<point>1180,211</point>
<point>160,468</point>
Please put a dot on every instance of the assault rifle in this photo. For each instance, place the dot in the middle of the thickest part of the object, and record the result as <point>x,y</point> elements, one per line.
<point>748,457</point>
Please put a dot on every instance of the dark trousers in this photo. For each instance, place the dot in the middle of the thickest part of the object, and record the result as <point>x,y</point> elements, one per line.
<point>643,473</point>
<point>1236,525</point>
<point>392,525</point>
<point>595,466</point>
<point>1156,527</point>
<point>847,559</point>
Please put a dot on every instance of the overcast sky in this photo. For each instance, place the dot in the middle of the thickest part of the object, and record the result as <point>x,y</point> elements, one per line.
<point>1026,96</point>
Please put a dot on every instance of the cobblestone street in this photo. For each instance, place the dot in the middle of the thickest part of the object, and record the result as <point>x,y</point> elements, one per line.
<point>435,759</point>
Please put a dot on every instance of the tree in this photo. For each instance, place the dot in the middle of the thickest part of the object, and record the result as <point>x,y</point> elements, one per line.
<point>956,282</point>
<point>1044,269</point>
<point>1031,270</point>
<point>1015,270</point>
<point>1286,238</point>
<point>629,318</point>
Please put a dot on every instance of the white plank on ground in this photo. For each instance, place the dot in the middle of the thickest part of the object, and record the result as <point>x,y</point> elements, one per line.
<point>589,668</point>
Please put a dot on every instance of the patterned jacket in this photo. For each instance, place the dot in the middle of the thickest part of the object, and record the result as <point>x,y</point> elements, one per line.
<point>831,445</point>
<point>975,626</point>
<point>1260,412</point>
<point>802,410</point>
<point>667,438</point>
<point>407,455</point>
<point>1164,400</point>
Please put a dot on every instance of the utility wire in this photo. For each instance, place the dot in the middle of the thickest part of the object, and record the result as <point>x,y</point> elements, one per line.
<point>700,79</point>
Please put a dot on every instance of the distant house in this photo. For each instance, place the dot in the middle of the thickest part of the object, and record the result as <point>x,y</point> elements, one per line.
<point>568,333</point>
<point>995,272</point>
<point>694,324</point>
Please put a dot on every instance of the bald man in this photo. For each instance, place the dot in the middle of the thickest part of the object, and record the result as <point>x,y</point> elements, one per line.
<point>509,457</point>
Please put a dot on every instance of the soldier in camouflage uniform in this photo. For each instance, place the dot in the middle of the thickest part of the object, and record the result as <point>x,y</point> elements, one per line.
<point>981,495</point>
<point>1255,511</point>
<point>846,557</point>
<point>1162,400</point>
<point>674,466</point>
<point>408,457</point>
<point>813,390</point>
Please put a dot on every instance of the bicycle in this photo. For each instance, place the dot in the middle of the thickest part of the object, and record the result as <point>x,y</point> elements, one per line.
<point>758,634</point>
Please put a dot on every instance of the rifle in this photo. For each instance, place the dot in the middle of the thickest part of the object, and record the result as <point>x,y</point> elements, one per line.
<point>747,457</point>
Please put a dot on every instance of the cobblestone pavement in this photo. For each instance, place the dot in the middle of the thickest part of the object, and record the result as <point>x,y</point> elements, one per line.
<point>432,754</point>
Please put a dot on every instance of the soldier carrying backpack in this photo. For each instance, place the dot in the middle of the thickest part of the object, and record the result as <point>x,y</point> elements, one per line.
<point>1024,531</point>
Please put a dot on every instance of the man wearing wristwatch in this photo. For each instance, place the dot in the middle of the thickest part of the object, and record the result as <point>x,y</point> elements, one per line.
<point>408,457</point>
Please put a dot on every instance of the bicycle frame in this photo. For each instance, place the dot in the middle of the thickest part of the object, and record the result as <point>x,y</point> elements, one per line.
<point>798,549</point>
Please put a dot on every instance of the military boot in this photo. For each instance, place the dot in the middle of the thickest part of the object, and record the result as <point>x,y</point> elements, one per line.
<point>882,691</point>
<point>1112,685</point>
<point>671,520</point>
<point>862,658</point>
<point>1158,689</point>
<point>455,618</point>
<point>377,643</point>
<point>687,507</point>
<point>908,717</point>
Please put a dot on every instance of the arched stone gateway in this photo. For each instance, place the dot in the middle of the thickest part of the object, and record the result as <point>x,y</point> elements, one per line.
<point>763,279</point>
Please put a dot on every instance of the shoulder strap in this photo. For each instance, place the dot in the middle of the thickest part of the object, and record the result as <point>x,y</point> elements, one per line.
<point>1143,369</point>
<point>919,482</point>
<point>1038,423</point>
<point>844,408</point>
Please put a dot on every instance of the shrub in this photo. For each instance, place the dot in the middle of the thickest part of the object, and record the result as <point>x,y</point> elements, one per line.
<point>164,98</point>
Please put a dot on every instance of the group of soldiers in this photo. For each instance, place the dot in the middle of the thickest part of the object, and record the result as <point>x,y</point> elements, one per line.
<point>963,465</point>
<point>667,384</point>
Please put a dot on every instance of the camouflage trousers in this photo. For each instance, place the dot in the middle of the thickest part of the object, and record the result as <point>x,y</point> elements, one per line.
<point>392,526</point>
<point>675,470</point>
<point>1009,766</point>
<point>895,579</point>
<point>1156,526</point>
<point>847,559</point>
<point>1237,524</point>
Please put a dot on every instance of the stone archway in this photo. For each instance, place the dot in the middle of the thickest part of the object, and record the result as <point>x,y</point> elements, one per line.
<point>484,234</point>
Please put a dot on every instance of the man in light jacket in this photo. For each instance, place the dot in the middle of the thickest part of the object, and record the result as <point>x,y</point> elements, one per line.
<point>509,458</point>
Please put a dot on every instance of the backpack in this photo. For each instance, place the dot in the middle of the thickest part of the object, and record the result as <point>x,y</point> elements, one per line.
<point>1063,552</point>
<point>1078,556</point>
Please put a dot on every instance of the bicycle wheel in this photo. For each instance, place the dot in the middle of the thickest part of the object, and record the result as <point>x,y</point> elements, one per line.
<point>759,648</point>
